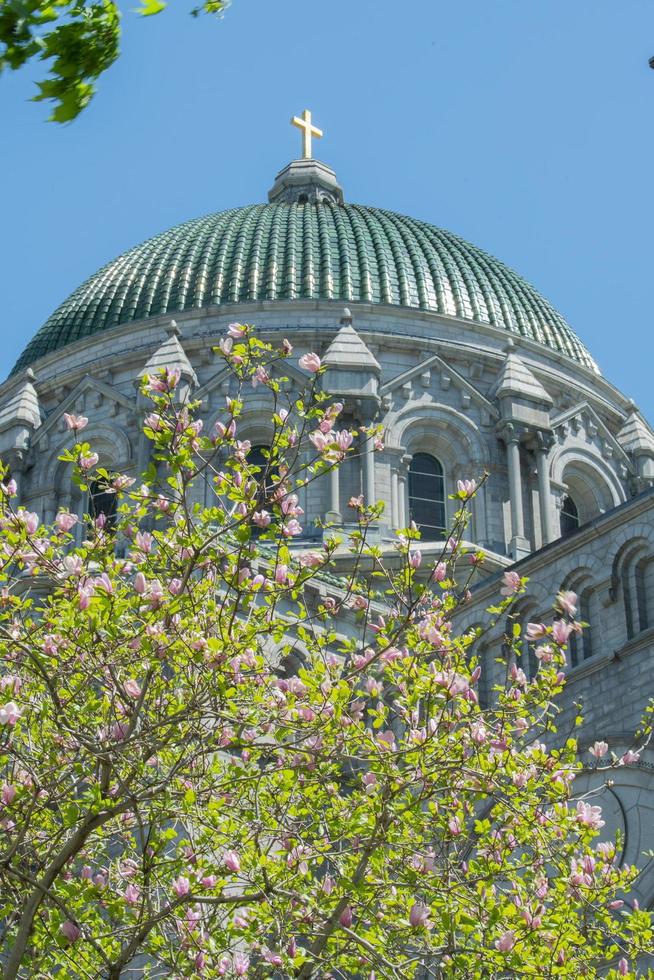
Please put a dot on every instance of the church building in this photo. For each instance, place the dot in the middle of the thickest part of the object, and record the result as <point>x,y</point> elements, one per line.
<point>465,365</point>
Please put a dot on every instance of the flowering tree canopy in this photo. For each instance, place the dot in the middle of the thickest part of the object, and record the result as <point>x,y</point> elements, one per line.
<point>217,759</point>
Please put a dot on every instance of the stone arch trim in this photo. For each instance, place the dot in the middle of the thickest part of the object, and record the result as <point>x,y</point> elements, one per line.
<point>408,429</point>
<point>450,436</point>
<point>593,470</point>
<point>592,572</point>
<point>110,440</point>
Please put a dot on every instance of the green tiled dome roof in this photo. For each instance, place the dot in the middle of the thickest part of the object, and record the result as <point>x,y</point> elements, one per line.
<point>305,251</point>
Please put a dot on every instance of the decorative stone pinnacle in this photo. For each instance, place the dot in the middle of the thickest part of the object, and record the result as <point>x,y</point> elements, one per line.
<point>347,317</point>
<point>172,329</point>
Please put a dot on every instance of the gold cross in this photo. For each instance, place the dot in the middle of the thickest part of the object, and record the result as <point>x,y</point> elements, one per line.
<point>308,130</point>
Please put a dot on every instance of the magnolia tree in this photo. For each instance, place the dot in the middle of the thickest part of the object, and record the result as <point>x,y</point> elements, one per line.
<point>180,798</point>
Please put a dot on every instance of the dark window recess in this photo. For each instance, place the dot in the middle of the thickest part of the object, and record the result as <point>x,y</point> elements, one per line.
<point>265,477</point>
<point>569,517</point>
<point>102,500</point>
<point>427,495</point>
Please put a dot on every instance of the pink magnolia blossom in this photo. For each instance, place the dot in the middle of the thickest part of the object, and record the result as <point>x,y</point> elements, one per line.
<point>236,330</point>
<point>84,593</point>
<point>466,488</point>
<point>181,886</point>
<point>292,528</point>
<point>155,422</point>
<point>536,631</point>
<point>65,521</point>
<point>144,541</point>
<point>7,794</point>
<point>132,894</point>
<point>70,931</point>
<point>122,482</point>
<point>589,816</point>
<point>440,572</point>
<point>510,583</point>
<point>132,689</point>
<point>567,602</point>
<point>28,519</point>
<point>76,422</point>
<point>310,559</point>
<point>343,439</point>
<point>140,583</point>
<point>386,740</point>
<point>320,440</point>
<point>240,964</point>
<point>629,758</point>
<point>506,942</point>
<point>560,632</point>
<point>346,917</point>
<point>599,749</point>
<point>419,915</point>
<point>261,518</point>
<point>232,861</point>
<point>623,967</point>
<point>88,460</point>
<point>104,583</point>
<point>310,362</point>
<point>163,382</point>
<point>415,559</point>
<point>9,713</point>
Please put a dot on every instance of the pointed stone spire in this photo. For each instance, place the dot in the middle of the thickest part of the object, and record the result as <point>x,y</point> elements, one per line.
<point>170,354</point>
<point>352,368</point>
<point>20,414</point>
<point>347,349</point>
<point>521,396</point>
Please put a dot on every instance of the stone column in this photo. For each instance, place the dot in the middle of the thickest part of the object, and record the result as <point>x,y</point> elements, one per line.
<point>395,491</point>
<point>333,515</point>
<point>519,546</point>
<point>403,496</point>
<point>544,493</point>
<point>369,471</point>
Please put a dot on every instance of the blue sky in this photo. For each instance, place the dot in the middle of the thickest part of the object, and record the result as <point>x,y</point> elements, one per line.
<point>526,127</point>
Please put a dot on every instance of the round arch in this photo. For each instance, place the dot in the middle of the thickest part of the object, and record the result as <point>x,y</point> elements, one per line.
<point>592,485</point>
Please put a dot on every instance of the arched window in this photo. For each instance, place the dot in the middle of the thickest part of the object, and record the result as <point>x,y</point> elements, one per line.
<point>580,645</point>
<point>102,500</point>
<point>569,516</point>
<point>427,495</point>
<point>644,574</point>
<point>258,457</point>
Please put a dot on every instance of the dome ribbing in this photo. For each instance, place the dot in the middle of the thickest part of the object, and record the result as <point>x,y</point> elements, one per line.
<point>306,251</point>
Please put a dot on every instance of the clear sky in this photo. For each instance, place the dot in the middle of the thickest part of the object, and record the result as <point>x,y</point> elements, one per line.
<point>526,126</point>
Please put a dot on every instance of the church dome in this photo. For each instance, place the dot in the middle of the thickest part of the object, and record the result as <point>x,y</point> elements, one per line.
<point>306,251</point>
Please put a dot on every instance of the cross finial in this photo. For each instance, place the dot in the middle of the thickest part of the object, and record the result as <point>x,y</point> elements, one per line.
<point>308,130</point>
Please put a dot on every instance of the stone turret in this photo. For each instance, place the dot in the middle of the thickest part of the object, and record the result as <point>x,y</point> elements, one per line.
<point>353,371</point>
<point>20,417</point>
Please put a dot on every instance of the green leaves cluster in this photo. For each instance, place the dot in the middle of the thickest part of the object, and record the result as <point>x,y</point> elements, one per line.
<point>79,38</point>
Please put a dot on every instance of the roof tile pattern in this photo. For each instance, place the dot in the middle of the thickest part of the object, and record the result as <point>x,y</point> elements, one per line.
<point>306,251</point>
